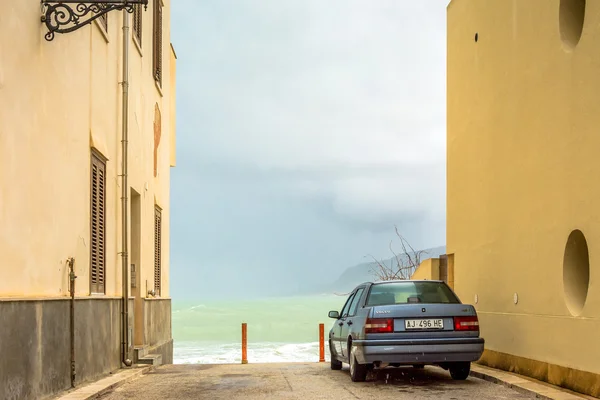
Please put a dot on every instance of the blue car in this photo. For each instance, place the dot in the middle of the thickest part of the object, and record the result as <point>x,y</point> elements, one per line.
<point>395,323</point>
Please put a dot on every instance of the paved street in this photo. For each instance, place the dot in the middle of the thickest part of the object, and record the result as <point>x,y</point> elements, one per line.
<point>301,381</point>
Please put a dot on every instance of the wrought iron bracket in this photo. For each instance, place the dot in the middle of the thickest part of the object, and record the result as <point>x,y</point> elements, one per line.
<point>64,16</point>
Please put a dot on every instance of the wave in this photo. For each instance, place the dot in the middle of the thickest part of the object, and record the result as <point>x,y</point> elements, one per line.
<point>231,353</point>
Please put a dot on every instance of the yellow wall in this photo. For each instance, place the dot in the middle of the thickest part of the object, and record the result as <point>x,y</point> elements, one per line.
<point>523,112</point>
<point>57,100</point>
<point>428,269</point>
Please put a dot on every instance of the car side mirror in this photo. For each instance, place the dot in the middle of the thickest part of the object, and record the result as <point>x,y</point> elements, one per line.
<point>334,314</point>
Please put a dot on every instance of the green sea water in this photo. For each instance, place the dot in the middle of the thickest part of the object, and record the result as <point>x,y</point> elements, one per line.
<point>279,329</point>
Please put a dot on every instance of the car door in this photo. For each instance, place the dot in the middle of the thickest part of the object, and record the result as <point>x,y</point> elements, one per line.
<point>339,324</point>
<point>348,321</point>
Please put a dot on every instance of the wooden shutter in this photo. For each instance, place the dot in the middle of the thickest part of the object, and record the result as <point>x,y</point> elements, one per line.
<point>137,23</point>
<point>157,42</point>
<point>157,249</point>
<point>97,224</point>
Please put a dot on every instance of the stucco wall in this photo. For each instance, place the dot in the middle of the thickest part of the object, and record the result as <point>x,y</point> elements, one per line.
<point>523,112</point>
<point>57,100</point>
<point>428,269</point>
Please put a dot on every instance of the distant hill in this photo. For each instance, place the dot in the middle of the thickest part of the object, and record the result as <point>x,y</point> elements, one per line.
<point>362,272</point>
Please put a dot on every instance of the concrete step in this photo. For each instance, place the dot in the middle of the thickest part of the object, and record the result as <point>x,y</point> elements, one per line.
<point>151,359</point>
<point>139,352</point>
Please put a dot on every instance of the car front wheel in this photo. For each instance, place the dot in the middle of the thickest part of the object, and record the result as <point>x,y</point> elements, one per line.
<point>460,371</point>
<point>336,364</point>
<point>358,372</point>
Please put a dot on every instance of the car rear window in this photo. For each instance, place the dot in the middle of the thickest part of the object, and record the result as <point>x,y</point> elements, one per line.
<point>411,292</point>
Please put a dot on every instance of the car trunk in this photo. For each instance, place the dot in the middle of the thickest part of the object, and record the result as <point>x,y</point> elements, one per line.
<point>419,320</point>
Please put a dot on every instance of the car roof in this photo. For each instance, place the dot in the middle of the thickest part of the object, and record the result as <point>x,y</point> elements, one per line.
<point>404,280</point>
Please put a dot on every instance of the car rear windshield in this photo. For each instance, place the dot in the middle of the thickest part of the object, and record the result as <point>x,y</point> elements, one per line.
<point>411,292</point>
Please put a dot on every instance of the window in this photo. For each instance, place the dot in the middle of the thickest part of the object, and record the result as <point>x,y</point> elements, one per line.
<point>157,248</point>
<point>137,23</point>
<point>411,292</point>
<point>346,308</point>
<point>97,223</point>
<point>157,53</point>
<point>354,305</point>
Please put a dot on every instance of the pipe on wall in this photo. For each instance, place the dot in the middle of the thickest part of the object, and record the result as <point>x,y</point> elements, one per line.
<point>124,194</point>
<point>72,277</point>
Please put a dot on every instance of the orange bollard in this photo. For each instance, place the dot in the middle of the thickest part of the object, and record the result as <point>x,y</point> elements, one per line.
<point>321,343</point>
<point>244,343</point>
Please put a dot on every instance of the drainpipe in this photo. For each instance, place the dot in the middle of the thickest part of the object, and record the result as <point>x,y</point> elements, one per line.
<point>72,277</point>
<point>124,194</point>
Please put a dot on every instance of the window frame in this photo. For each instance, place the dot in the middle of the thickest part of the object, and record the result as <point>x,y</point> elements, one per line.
<point>138,18</point>
<point>97,248</point>
<point>157,250</point>
<point>157,42</point>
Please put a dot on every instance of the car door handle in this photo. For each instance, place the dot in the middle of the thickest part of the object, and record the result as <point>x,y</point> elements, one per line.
<point>349,322</point>
<point>341,323</point>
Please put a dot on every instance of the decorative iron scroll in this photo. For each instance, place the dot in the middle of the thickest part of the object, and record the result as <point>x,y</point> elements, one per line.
<point>64,16</point>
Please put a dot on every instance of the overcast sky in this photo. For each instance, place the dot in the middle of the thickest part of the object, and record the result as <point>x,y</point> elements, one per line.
<point>306,129</point>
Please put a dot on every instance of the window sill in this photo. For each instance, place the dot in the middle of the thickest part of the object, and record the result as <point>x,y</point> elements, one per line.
<point>102,30</point>
<point>138,46</point>
<point>159,88</point>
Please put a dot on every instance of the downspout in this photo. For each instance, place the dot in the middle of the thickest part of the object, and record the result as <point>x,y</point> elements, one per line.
<point>124,194</point>
<point>72,277</point>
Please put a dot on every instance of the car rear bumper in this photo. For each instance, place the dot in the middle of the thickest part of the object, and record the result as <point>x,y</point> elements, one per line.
<point>415,351</point>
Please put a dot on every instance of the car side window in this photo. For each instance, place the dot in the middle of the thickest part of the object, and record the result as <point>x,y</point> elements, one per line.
<point>346,308</point>
<point>354,305</point>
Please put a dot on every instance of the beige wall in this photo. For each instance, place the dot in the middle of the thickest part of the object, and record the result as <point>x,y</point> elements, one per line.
<point>57,100</point>
<point>428,269</point>
<point>522,117</point>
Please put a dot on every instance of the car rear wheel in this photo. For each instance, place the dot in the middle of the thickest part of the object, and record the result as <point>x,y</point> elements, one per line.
<point>460,371</point>
<point>358,372</point>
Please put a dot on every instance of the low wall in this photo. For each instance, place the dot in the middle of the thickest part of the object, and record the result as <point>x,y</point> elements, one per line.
<point>35,344</point>
<point>157,330</point>
<point>428,269</point>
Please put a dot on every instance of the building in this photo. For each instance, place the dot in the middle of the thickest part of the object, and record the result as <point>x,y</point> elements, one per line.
<point>70,108</point>
<point>523,221</point>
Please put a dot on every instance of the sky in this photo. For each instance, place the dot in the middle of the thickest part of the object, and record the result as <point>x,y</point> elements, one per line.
<point>306,130</point>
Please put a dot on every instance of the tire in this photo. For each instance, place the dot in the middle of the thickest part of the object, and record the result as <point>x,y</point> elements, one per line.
<point>358,372</point>
<point>336,364</point>
<point>460,371</point>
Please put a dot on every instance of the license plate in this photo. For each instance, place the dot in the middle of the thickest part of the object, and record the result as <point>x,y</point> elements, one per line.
<point>424,324</point>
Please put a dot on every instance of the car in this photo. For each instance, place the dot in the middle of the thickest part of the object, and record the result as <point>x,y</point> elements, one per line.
<point>405,322</point>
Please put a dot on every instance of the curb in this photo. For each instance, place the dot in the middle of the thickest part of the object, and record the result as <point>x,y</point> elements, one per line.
<point>101,387</point>
<point>524,385</point>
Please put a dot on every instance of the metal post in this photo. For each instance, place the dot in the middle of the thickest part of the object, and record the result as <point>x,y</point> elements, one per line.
<point>321,342</point>
<point>244,343</point>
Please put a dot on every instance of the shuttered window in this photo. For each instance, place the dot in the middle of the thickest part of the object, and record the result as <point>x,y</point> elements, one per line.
<point>157,249</point>
<point>157,42</point>
<point>137,23</point>
<point>97,224</point>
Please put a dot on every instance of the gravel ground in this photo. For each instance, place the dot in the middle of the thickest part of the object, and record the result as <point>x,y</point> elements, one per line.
<point>302,381</point>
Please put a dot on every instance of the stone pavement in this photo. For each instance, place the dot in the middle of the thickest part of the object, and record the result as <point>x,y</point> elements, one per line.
<point>304,381</point>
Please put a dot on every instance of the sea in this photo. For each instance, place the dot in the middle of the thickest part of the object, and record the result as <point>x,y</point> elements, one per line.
<point>282,329</point>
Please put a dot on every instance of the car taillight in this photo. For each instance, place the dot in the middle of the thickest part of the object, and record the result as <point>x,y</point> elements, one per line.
<point>379,325</point>
<point>466,324</point>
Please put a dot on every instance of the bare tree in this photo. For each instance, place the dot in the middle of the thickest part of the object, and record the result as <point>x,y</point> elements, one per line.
<point>402,265</point>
